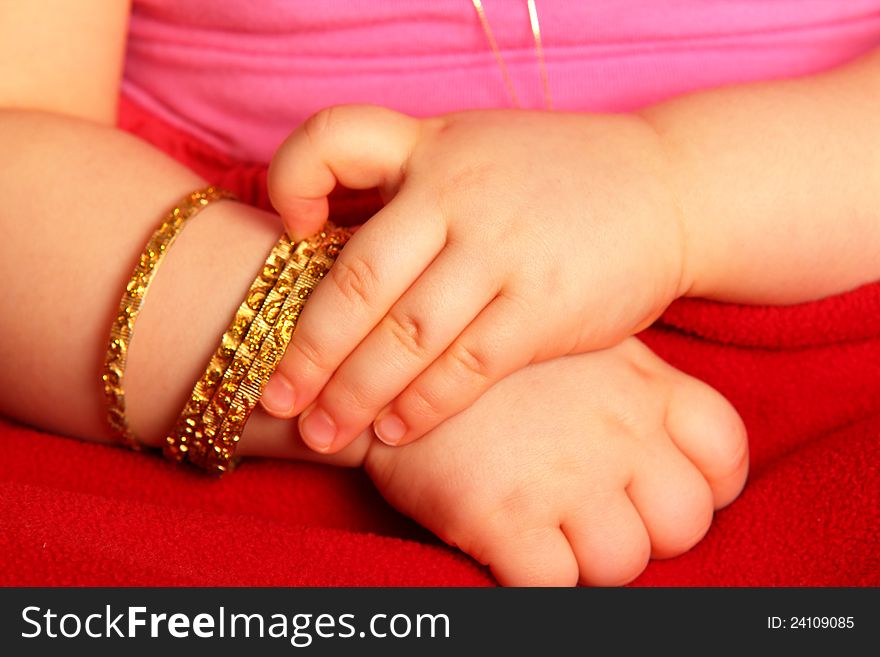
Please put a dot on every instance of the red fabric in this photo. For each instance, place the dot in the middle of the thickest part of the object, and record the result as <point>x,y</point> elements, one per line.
<point>804,378</point>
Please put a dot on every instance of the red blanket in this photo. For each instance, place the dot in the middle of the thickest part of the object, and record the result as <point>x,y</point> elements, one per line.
<point>806,380</point>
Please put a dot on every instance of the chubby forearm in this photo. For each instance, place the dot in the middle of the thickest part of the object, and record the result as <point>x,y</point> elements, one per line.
<point>79,203</point>
<point>778,184</point>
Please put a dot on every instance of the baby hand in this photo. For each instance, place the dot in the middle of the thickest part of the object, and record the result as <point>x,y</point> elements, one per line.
<point>511,237</point>
<point>574,470</point>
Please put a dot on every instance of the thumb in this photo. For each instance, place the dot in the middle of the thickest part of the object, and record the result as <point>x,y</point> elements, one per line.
<point>357,146</point>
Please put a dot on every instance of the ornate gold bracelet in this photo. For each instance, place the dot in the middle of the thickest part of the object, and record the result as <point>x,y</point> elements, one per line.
<point>210,426</point>
<point>133,299</point>
<point>187,431</point>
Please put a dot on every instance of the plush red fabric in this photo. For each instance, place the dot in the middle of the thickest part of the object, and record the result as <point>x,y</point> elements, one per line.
<point>804,378</point>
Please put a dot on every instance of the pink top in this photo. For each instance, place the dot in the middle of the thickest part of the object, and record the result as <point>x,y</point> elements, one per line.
<point>241,75</point>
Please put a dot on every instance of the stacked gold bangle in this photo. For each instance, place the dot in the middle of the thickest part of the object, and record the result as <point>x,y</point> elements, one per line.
<point>211,423</point>
<point>133,299</point>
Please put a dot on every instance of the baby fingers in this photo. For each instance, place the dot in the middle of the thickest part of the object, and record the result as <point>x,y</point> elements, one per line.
<point>495,344</point>
<point>375,268</point>
<point>417,329</point>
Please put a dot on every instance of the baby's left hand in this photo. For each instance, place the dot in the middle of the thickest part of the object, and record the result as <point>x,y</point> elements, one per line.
<point>510,237</point>
<point>607,458</point>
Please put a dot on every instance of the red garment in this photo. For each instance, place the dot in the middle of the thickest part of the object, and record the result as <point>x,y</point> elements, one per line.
<point>804,378</point>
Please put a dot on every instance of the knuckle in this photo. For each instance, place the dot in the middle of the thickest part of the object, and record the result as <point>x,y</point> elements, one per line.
<point>701,512</point>
<point>354,278</point>
<point>703,516</point>
<point>473,524</point>
<point>351,397</point>
<point>470,175</point>
<point>550,575</point>
<point>461,524</point>
<point>318,125</point>
<point>640,373</point>
<point>449,190</point>
<point>470,362</point>
<point>517,505</point>
<point>732,447</point>
<point>408,332</point>
<point>306,349</point>
<point>621,566</point>
<point>422,403</point>
<point>631,562</point>
<point>516,303</point>
<point>625,423</point>
<point>522,505</point>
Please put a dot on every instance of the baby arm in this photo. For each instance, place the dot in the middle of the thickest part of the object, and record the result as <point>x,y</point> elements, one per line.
<point>79,202</point>
<point>779,184</point>
<point>80,199</point>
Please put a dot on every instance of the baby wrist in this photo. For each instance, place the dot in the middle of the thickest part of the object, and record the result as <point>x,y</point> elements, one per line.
<point>694,234</point>
<point>209,427</point>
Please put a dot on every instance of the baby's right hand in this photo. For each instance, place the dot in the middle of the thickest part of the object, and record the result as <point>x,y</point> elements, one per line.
<point>511,237</point>
<point>574,470</point>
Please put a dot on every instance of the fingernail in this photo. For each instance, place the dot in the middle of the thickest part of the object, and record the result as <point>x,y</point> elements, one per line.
<point>390,429</point>
<point>318,429</point>
<point>278,396</point>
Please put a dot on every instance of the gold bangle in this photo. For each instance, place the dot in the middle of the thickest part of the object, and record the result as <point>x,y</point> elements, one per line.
<point>212,439</point>
<point>187,432</point>
<point>213,415</point>
<point>132,300</point>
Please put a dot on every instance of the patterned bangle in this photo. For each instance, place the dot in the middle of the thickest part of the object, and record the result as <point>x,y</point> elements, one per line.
<point>210,427</point>
<point>133,299</point>
<point>187,432</point>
